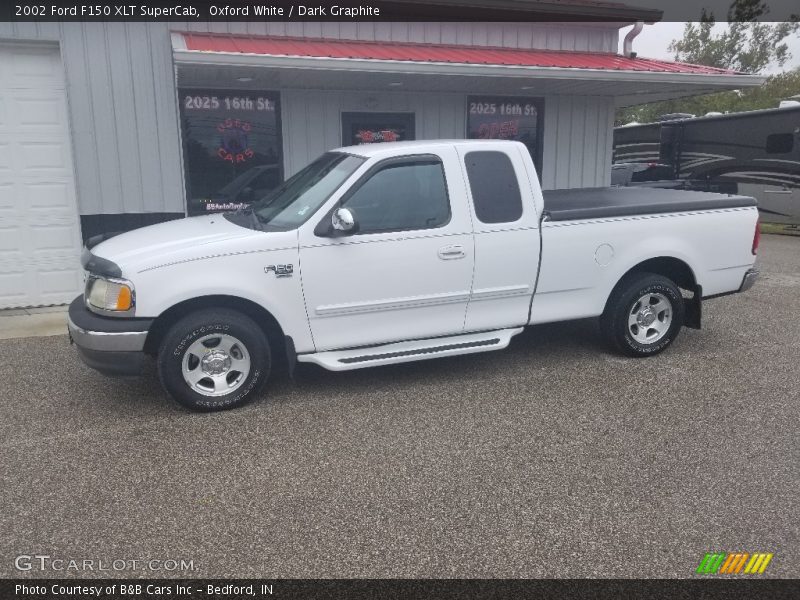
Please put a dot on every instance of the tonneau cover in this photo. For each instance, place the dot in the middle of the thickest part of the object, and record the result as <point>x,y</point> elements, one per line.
<point>598,203</point>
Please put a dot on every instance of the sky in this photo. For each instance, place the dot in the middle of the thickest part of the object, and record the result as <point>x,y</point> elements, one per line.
<point>652,42</point>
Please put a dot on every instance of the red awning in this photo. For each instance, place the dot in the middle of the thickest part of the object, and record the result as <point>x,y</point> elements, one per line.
<point>430,53</point>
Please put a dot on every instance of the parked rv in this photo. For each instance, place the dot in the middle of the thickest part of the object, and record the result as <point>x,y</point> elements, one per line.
<point>754,153</point>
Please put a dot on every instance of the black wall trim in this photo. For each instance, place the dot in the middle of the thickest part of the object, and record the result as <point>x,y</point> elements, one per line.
<point>92,225</point>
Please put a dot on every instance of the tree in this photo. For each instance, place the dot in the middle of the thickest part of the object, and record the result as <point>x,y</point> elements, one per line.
<point>746,10</point>
<point>747,47</point>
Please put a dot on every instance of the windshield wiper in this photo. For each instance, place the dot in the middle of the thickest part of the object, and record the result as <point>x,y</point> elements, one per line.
<point>247,210</point>
<point>256,220</point>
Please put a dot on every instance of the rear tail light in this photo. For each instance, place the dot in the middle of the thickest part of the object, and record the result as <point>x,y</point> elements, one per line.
<point>757,236</point>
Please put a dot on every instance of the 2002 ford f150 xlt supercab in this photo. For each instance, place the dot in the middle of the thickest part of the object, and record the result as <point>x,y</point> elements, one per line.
<point>393,252</point>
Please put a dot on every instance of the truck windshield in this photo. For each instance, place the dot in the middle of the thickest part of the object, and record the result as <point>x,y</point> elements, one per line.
<point>294,201</point>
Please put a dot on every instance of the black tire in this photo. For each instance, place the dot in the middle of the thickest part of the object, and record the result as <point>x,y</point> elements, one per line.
<point>206,325</point>
<point>624,304</point>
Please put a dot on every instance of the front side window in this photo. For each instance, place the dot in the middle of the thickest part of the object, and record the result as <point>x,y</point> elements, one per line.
<point>402,196</point>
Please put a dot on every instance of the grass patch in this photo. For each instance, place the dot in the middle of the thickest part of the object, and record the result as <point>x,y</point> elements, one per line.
<point>780,229</point>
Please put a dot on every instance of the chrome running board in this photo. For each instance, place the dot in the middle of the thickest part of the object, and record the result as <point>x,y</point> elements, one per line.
<point>400,352</point>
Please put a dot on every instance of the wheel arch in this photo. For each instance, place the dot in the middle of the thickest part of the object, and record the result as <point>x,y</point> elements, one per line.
<point>262,317</point>
<point>672,268</point>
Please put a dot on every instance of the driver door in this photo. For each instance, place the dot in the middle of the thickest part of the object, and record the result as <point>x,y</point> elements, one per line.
<point>406,272</point>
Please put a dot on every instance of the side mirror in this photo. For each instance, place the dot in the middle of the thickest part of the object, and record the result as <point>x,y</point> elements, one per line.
<point>344,221</point>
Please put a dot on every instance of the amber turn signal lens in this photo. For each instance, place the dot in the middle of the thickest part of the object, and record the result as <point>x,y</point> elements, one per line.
<point>124,300</point>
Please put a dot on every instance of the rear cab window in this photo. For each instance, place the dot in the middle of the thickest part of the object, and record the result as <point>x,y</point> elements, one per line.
<point>495,190</point>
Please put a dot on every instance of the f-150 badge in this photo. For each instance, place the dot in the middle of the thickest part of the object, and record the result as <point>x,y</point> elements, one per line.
<point>280,270</point>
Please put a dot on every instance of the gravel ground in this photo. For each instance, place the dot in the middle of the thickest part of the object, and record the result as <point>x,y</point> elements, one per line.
<point>553,458</point>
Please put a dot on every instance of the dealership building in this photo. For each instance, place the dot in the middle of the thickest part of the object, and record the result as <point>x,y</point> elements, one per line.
<point>111,126</point>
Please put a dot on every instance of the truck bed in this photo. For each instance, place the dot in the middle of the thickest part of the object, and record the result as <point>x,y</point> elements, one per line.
<point>597,203</point>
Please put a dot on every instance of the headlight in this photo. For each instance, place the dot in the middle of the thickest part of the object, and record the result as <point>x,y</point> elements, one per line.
<point>114,295</point>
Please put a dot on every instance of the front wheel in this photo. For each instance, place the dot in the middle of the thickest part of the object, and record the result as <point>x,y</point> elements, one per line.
<point>644,315</point>
<point>214,359</point>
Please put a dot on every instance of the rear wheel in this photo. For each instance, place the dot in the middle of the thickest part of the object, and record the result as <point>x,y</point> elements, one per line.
<point>214,359</point>
<point>644,314</point>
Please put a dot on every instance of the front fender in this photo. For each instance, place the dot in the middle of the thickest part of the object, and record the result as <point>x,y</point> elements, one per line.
<point>241,275</point>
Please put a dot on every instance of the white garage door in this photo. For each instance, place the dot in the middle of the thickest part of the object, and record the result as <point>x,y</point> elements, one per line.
<point>39,226</point>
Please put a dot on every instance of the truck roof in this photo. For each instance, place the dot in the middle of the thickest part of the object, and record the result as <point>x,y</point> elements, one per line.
<point>391,148</point>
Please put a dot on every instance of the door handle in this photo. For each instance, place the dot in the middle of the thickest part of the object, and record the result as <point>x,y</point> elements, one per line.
<point>451,252</point>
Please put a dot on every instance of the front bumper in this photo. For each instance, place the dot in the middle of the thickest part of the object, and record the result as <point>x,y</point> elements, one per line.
<point>749,279</point>
<point>111,345</point>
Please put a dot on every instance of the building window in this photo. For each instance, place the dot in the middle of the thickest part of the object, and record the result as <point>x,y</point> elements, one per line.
<point>494,187</point>
<point>780,143</point>
<point>371,128</point>
<point>232,147</point>
<point>402,196</point>
<point>508,118</point>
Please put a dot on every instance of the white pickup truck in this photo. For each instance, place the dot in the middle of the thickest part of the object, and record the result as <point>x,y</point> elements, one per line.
<point>394,252</point>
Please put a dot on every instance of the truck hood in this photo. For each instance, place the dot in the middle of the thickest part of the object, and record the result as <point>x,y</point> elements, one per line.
<point>182,239</point>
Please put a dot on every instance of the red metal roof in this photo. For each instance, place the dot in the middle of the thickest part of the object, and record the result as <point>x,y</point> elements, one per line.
<point>397,51</point>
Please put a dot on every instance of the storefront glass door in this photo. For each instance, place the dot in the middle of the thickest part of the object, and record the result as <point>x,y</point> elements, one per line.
<point>232,147</point>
